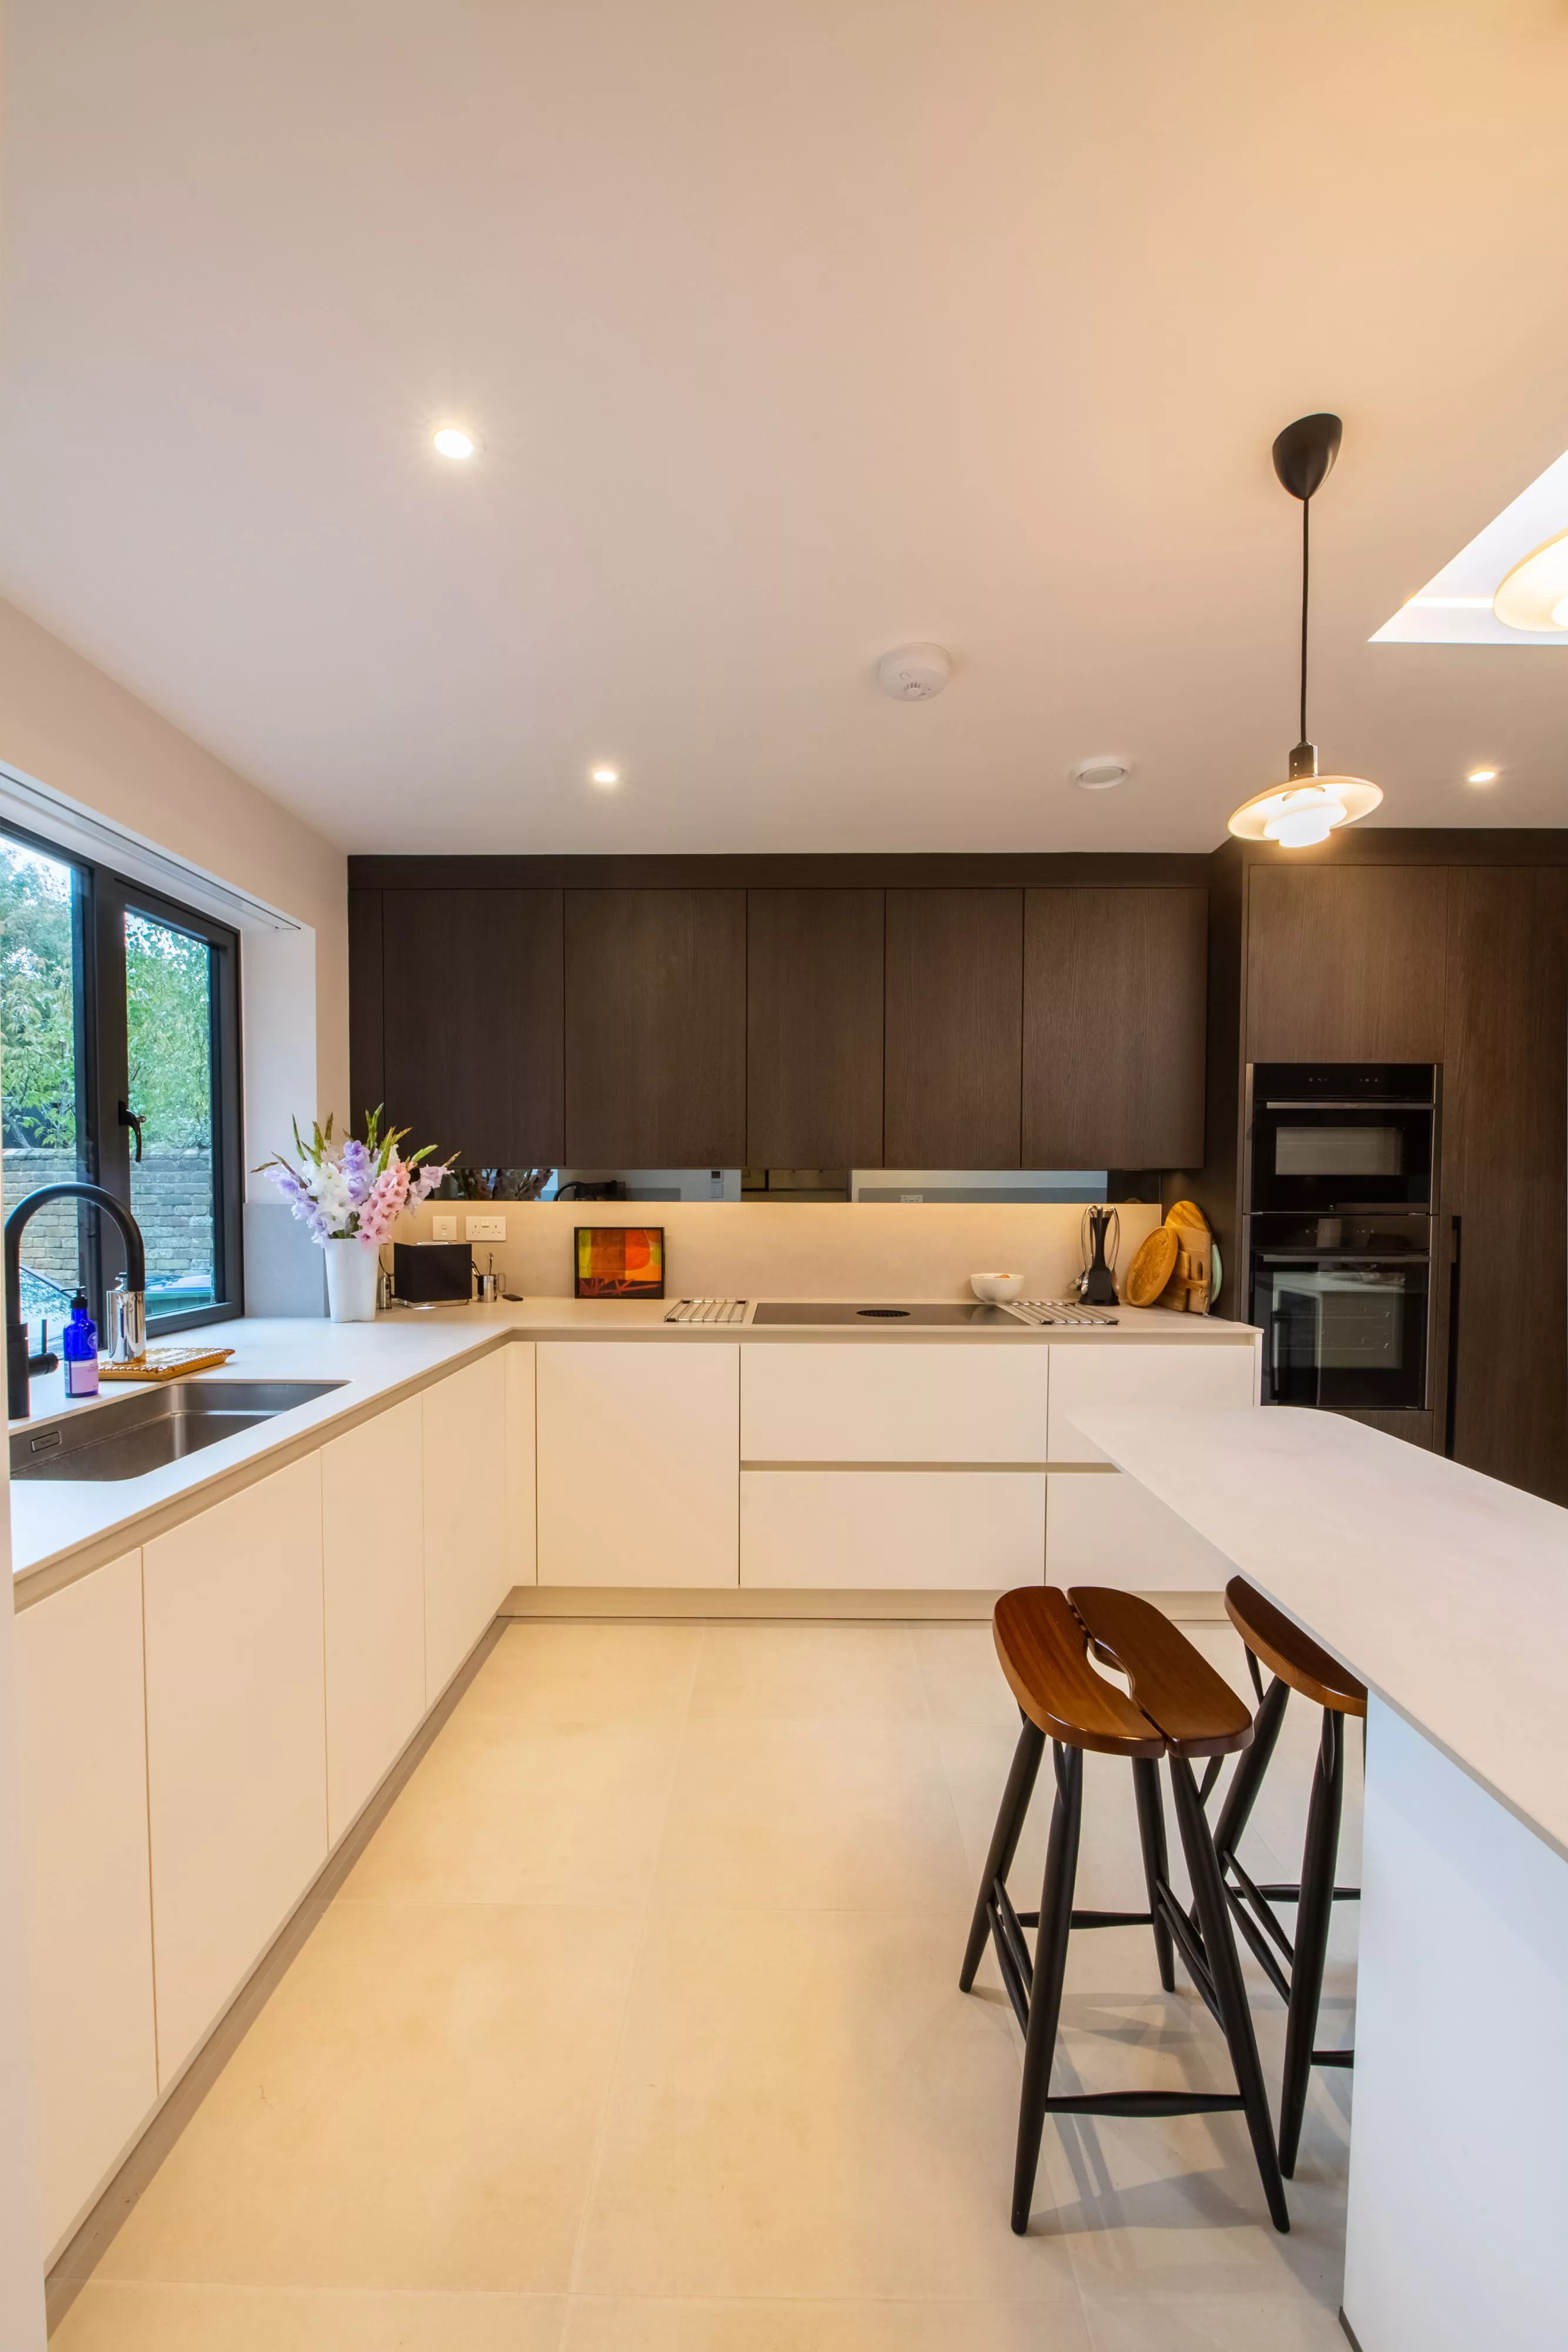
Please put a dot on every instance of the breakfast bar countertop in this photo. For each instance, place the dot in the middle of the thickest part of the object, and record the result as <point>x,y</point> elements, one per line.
<point>1446,1592</point>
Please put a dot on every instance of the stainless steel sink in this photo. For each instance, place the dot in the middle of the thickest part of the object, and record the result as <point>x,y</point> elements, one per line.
<point>129,1435</point>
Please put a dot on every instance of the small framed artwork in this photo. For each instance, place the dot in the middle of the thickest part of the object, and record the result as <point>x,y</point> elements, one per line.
<point>620,1262</point>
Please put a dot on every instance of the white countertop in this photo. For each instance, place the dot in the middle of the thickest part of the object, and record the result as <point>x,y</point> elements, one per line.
<point>52,1519</point>
<point>1446,1592</point>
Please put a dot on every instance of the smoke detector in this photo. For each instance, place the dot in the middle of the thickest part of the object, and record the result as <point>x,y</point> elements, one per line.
<point>913,673</point>
<point>1099,776</point>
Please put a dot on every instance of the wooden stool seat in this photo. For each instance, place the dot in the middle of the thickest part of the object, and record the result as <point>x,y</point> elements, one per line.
<point>1178,1706</point>
<point>1175,1708</point>
<point>1289,1652</point>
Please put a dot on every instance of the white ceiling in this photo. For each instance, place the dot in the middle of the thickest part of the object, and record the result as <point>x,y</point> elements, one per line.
<point>792,333</point>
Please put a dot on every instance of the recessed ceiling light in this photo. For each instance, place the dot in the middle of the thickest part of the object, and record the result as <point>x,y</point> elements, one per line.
<point>453,442</point>
<point>1481,776</point>
<point>606,775</point>
<point>1101,774</point>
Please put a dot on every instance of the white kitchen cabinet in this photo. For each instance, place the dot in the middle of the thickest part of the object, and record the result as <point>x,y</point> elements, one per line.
<point>1103,1528</point>
<point>891,1530</point>
<point>236,1745</point>
<point>882,1401</point>
<point>466,1571</point>
<point>89,1913</point>
<point>639,1463</point>
<point>1192,1374</point>
<point>522,1553</point>
<point>374,1574</point>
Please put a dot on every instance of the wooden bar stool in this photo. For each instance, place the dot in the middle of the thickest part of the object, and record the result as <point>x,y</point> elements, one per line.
<point>1179,1708</point>
<point>1297,1664</point>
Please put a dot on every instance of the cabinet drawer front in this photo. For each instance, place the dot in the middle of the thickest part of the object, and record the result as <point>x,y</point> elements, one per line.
<point>236,1747</point>
<point>638,1463</point>
<point>881,1400</point>
<point>1103,1528</point>
<point>1191,1375</point>
<point>892,1530</point>
<point>90,1917</point>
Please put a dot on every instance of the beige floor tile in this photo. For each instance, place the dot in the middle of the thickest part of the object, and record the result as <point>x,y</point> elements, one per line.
<point>640,2325</point>
<point>806,2105</point>
<point>806,1671</point>
<point>588,1673</point>
<point>505,1810</point>
<point>811,1814</point>
<point>1174,2208</point>
<point>125,2318</point>
<point>1279,2323</point>
<point>415,2107</point>
<point>963,1678</point>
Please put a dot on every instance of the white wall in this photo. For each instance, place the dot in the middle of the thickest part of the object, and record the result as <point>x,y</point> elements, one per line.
<point>67,725</point>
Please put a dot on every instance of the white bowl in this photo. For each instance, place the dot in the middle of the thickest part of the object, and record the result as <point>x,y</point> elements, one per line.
<point>995,1287</point>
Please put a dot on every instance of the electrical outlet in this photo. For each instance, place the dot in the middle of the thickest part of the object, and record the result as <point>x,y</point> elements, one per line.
<point>444,1229</point>
<point>484,1229</point>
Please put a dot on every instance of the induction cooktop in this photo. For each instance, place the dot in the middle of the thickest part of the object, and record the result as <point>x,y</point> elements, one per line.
<point>810,1310</point>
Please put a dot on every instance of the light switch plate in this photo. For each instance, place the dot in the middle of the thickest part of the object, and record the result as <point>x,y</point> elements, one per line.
<point>444,1229</point>
<point>484,1229</point>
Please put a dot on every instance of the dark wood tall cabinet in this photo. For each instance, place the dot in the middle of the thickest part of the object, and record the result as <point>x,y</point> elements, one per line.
<point>1345,963</point>
<point>1113,1011</point>
<point>813,1028</point>
<point>1505,1188</point>
<point>656,1028</point>
<point>954,1029</point>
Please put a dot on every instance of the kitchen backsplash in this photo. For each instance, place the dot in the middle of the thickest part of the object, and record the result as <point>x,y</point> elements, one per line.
<point>827,1250</point>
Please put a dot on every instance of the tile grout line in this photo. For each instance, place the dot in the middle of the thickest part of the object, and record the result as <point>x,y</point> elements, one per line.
<point>596,2161</point>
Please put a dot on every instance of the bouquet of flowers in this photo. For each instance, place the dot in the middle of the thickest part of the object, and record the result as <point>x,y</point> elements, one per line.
<point>350,1191</point>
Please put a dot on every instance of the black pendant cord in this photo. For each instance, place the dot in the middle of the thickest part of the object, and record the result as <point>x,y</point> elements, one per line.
<point>1306,511</point>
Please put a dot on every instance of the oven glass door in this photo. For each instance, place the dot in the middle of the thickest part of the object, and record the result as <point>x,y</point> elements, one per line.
<point>1349,1332</point>
<point>1338,1157</point>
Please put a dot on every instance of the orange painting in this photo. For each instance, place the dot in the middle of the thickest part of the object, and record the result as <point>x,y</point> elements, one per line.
<point>620,1261</point>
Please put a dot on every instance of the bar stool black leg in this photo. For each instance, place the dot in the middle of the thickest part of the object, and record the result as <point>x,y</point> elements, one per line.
<point>1225,1975</point>
<point>1004,1841</point>
<point>1156,1860</point>
<point>1251,1766</point>
<point>1049,1970</point>
<point>1317,1862</point>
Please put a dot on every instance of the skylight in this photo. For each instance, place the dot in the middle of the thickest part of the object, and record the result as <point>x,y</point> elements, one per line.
<point>1455,606</point>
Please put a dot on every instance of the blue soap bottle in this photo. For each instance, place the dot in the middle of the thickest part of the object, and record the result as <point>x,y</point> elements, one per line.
<point>79,1349</point>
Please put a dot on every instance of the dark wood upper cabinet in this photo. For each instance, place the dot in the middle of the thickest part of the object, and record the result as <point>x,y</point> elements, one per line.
<point>472,1051</point>
<point>1505,1161</point>
<point>656,1028</point>
<point>954,1029</point>
<point>813,1028</point>
<point>1346,964</point>
<point>1114,1002</point>
<point>367,1005</point>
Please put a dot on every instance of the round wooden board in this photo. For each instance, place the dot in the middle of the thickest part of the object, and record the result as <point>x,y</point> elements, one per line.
<point>1152,1268</point>
<point>1187,1212</point>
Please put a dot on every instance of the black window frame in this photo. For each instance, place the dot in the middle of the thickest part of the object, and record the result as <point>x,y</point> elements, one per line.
<point>100,898</point>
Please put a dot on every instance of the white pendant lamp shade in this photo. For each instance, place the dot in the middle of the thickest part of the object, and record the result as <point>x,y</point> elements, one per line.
<point>1297,815</point>
<point>1307,807</point>
<point>1534,596</point>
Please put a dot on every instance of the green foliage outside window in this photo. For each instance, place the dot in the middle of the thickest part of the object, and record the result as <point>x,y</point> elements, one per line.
<point>168,1016</point>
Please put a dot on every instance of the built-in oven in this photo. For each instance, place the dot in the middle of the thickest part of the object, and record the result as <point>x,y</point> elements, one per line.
<point>1339,1198</point>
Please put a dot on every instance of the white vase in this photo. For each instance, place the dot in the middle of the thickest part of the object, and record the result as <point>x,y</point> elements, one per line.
<point>351,1270</point>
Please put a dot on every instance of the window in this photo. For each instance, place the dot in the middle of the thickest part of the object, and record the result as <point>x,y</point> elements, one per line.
<point>118,1064</point>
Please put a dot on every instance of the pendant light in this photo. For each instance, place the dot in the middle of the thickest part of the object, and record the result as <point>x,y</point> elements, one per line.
<point>1308,807</point>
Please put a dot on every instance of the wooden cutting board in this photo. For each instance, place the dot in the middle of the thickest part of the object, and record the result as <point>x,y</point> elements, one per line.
<point>1152,1267</point>
<point>165,1364</point>
<point>1189,1214</point>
